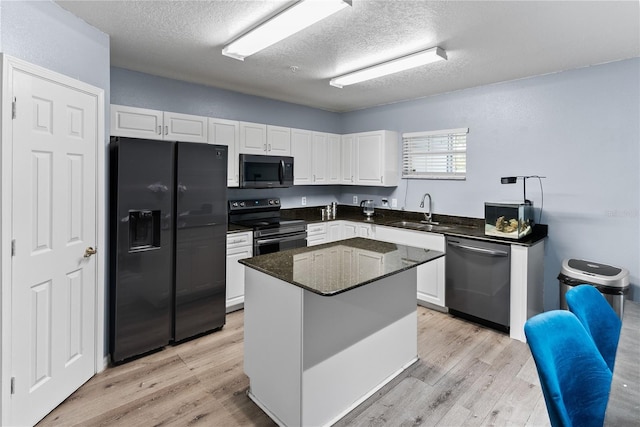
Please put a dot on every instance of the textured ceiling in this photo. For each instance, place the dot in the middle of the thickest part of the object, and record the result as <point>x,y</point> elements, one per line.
<point>486,42</point>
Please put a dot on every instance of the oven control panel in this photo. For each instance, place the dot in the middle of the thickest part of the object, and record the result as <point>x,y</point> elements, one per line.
<point>254,204</point>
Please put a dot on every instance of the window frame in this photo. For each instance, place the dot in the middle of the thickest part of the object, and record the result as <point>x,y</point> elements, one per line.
<point>452,155</point>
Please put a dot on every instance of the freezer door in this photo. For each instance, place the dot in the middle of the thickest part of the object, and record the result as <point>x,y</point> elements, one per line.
<point>201,227</point>
<point>141,259</point>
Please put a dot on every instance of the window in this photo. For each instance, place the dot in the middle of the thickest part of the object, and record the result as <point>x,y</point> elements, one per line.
<point>440,154</point>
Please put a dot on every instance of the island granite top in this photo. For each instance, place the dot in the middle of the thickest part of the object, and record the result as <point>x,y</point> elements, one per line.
<point>340,266</point>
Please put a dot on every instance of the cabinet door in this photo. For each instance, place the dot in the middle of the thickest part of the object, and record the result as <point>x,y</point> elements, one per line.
<point>278,141</point>
<point>239,246</point>
<point>365,230</point>
<point>319,158</point>
<point>185,127</point>
<point>302,154</point>
<point>349,230</point>
<point>431,276</point>
<point>368,158</point>
<point>253,138</point>
<point>346,159</point>
<point>226,132</point>
<point>333,159</point>
<point>136,122</point>
<point>334,231</point>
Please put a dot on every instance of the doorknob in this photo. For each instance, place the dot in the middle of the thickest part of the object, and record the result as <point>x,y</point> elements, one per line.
<point>89,251</point>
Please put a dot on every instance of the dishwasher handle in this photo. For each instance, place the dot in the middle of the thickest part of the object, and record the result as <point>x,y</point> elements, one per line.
<point>483,251</point>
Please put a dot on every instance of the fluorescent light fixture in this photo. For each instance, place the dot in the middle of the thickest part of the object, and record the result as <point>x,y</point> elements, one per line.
<point>301,15</point>
<point>395,65</point>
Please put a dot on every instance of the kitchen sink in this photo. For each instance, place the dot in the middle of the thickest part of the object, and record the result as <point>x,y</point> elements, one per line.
<point>415,225</point>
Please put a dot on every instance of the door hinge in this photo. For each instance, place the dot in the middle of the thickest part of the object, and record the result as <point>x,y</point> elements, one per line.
<point>13,108</point>
<point>13,385</point>
<point>13,247</point>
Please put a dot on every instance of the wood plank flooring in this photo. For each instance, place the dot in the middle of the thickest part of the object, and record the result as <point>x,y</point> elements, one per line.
<point>467,375</point>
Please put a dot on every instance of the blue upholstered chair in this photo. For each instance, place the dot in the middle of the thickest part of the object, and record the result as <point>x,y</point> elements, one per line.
<point>598,318</point>
<point>574,377</point>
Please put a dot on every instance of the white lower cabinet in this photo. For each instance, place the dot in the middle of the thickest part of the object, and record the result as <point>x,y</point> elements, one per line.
<point>318,233</point>
<point>357,229</point>
<point>430,275</point>
<point>239,246</point>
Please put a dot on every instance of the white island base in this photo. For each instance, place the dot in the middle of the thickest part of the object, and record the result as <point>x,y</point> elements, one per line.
<point>311,359</point>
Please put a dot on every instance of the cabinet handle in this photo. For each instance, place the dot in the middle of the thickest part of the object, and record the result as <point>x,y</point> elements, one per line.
<point>314,177</point>
<point>269,147</point>
<point>159,130</point>
<point>265,147</point>
<point>381,180</point>
<point>166,130</point>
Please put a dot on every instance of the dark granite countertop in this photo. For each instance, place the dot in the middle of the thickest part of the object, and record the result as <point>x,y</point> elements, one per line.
<point>472,228</point>
<point>328,269</point>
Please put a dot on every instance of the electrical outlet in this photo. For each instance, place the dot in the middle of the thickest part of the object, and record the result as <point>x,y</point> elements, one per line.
<point>304,201</point>
<point>394,203</point>
<point>355,200</point>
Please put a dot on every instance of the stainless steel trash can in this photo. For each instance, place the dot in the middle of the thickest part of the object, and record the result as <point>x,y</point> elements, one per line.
<point>612,282</point>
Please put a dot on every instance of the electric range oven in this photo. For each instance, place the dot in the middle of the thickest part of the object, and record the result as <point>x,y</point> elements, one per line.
<point>270,232</point>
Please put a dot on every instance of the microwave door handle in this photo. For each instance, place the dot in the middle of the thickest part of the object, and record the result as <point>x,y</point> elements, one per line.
<point>281,172</point>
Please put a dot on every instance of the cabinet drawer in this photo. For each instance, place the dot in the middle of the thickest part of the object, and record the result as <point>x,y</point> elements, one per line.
<point>236,240</point>
<point>313,229</point>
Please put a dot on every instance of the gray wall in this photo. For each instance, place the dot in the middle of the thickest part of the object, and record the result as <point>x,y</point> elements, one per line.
<point>578,128</point>
<point>43,33</point>
<point>143,90</point>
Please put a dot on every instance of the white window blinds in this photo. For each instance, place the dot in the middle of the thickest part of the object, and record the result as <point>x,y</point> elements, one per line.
<point>438,154</point>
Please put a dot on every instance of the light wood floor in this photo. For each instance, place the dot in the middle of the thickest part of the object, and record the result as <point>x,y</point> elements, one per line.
<point>467,375</point>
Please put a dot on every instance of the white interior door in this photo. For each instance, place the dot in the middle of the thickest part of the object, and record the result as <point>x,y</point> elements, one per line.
<point>53,283</point>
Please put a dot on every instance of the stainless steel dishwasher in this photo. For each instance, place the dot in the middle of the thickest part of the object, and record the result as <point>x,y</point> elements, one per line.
<point>478,281</point>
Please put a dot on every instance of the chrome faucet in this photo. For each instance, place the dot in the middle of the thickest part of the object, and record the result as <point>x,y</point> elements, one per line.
<point>427,214</point>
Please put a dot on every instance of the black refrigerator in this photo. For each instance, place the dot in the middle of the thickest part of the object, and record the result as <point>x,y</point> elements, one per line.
<point>168,243</point>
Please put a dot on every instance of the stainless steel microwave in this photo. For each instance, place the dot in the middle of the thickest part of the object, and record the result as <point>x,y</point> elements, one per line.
<point>258,171</point>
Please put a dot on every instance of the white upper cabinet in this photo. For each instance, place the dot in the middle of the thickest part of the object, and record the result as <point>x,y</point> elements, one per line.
<point>346,160</point>
<point>319,158</point>
<point>278,141</point>
<point>184,127</point>
<point>153,124</point>
<point>256,138</point>
<point>227,132</point>
<point>253,138</point>
<point>301,149</point>
<point>333,159</point>
<point>136,122</point>
<point>365,158</point>
<point>316,156</point>
<point>376,158</point>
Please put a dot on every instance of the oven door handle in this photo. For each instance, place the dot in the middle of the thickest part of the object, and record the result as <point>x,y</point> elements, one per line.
<point>280,239</point>
<point>479,250</point>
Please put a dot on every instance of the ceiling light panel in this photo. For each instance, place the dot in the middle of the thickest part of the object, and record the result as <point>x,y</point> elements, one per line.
<point>301,15</point>
<point>390,67</point>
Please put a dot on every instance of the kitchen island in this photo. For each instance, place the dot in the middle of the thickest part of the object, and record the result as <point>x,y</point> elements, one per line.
<point>329,325</point>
